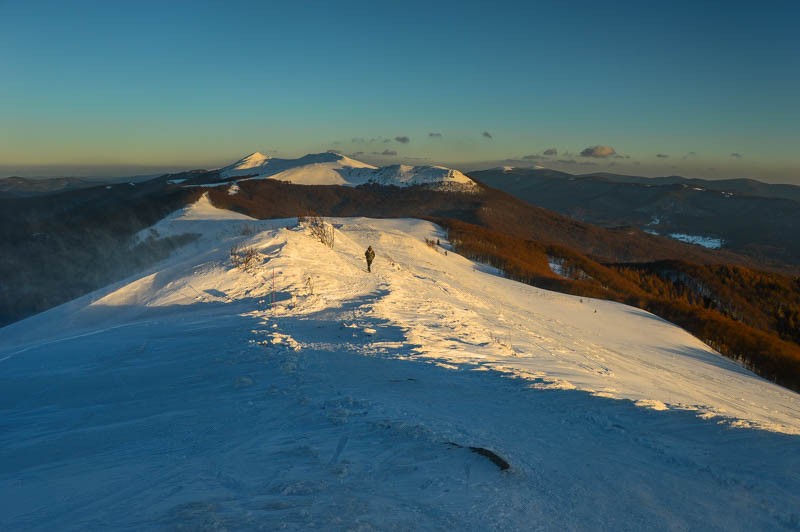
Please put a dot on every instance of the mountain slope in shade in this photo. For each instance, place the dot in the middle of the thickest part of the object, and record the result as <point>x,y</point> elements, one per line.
<point>337,169</point>
<point>305,393</point>
<point>729,212</point>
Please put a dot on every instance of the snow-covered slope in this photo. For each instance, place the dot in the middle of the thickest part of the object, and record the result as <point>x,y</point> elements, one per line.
<point>336,169</point>
<point>307,393</point>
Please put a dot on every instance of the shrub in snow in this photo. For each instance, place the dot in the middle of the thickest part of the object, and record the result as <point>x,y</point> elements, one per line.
<point>320,229</point>
<point>243,257</point>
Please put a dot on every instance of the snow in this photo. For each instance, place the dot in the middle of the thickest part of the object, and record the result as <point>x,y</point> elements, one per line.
<point>405,175</point>
<point>312,169</point>
<point>705,241</point>
<point>183,398</point>
<point>556,266</point>
<point>337,169</point>
<point>254,160</point>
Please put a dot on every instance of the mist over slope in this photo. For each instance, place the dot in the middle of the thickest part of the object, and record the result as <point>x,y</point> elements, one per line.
<point>304,392</point>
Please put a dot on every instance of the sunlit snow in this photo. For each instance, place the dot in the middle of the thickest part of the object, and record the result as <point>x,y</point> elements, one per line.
<point>307,393</point>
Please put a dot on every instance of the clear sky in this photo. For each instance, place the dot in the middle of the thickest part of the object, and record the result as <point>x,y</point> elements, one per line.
<point>700,88</point>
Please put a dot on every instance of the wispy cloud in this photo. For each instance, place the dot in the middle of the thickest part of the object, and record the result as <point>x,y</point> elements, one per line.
<point>487,135</point>
<point>533,157</point>
<point>550,152</point>
<point>736,155</point>
<point>688,155</point>
<point>402,139</point>
<point>662,155</point>
<point>598,152</point>
<point>386,152</point>
<point>372,140</point>
<point>435,135</point>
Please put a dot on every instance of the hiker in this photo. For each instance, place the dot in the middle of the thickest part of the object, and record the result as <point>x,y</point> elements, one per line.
<point>370,255</point>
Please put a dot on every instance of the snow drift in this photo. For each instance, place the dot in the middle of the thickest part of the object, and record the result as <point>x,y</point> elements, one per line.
<point>305,393</point>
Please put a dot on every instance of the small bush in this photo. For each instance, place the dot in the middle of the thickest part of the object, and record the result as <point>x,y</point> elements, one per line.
<point>321,230</point>
<point>243,257</point>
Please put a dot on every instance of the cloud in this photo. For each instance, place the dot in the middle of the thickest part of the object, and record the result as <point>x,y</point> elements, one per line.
<point>389,152</point>
<point>358,153</point>
<point>550,152</point>
<point>588,163</point>
<point>598,151</point>
<point>690,154</point>
<point>662,155</point>
<point>435,135</point>
<point>402,139</point>
<point>364,140</point>
<point>487,135</point>
<point>533,157</point>
<point>736,155</point>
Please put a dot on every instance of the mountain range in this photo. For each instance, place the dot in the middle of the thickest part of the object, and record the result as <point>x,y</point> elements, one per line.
<point>207,350</point>
<point>747,217</point>
<point>66,244</point>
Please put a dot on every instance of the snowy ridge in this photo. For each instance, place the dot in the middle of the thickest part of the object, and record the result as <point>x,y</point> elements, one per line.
<point>307,393</point>
<point>337,169</point>
<point>405,175</point>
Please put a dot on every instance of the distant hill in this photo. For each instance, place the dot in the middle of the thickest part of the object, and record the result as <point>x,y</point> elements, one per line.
<point>729,212</point>
<point>747,187</point>
<point>24,186</point>
<point>37,186</point>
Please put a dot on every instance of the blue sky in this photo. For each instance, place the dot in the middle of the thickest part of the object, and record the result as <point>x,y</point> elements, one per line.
<point>91,87</point>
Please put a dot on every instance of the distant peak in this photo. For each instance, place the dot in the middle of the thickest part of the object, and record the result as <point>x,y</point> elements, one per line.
<point>252,160</point>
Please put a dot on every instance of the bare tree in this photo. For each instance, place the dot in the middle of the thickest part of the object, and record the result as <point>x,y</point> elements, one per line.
<point>321,230</point>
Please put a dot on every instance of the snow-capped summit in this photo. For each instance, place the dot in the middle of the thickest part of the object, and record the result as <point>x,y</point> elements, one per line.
<point>330,168</point>
<point>248,165</point>
<point>254,160</point>
<point>313,169</point>
<point>406,175</point>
